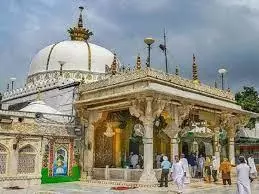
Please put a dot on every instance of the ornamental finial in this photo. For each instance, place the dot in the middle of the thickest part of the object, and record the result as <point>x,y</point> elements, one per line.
<point>194,70</point>
<point>80,33</point>
<point>114,65</point>
<point>80,19</point>
<point>138,63</point>
<point>216,84</point>
<point>177,70</point>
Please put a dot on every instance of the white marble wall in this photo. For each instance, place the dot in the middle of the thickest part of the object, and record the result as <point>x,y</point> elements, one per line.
<point>59,99</point>
<point>12,177</point>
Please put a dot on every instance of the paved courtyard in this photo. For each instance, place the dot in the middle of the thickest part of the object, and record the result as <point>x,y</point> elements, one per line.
<point>79,187</point>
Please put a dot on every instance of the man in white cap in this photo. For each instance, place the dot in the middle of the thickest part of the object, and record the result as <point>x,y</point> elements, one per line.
<point>178,174</point>
<point>165,165</point>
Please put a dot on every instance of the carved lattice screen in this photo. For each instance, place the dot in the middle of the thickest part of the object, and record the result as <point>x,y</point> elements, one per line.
<point>26,160</point>
<point>3,159</point>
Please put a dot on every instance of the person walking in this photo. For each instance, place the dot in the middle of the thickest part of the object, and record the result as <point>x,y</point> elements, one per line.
<point>178,174</point>
<point>243,182</point>
<point>134,160</point>
<point>158,161</point>
<point>225,168</point>
<point>201,162</point>
<point>253,170</point>
<point>215,166</point>
<point>192,165</point>
<point>165,165</point>
<point>184,162</point>
<point>207,170</point>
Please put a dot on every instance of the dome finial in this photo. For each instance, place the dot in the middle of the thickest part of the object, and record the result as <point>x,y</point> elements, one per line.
<point>80,19</point>
<point>114,65</point>
<point>80,33</point>
<point>177,70</point>
<point>194,70</point>
<point>138,63</point>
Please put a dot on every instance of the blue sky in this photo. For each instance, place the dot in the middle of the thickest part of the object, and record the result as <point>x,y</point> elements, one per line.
<point>221,34</point>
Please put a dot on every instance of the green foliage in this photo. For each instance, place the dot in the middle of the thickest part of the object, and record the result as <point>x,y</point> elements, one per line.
<point>45,178</point>
<point>248,100</point>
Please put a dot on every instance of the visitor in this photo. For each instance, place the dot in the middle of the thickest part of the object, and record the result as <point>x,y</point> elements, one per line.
<point>134,160</point>
<point>243,182</point>
<point>207,170</point>
<point>165,165</point>
<point>192,164</point>
<point>140,161</point>
<point>253,170</point>
<point>201,162</point>
<point>178,174</point>
<point>225,168</point>
<point>215,167</point>
<point>184,162</point>
<point>130,156</point>
<point>158,162</point>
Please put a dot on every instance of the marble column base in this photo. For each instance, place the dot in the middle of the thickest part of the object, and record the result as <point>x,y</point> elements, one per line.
<point>148,177</point>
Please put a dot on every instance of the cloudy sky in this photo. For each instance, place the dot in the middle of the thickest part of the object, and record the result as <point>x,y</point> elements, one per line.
<point>221,33</point>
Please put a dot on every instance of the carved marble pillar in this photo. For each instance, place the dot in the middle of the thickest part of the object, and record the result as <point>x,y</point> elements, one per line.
<point>231,145</point>
<point>147,111</point>
<point>148,175</point>
<point>172,131</point>
<point>174,147</point>
<point>216,145</point>
<point>117,147</point>
<point>89,141</point>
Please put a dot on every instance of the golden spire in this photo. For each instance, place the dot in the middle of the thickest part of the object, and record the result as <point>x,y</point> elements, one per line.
<point>114,65</point>
<point>138,63</point>
<point>194,70</point>
<point>177,70</point>
<point>80,33</point>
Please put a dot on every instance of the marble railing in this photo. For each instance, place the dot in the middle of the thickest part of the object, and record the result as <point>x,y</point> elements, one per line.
<point>163,78</point>
<point>52,79</point>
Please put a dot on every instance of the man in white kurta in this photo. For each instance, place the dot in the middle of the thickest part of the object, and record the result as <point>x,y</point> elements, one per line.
<point>251,164</point>
<point>178,174</point>
<point>184,162</point>
<point>243,181</point>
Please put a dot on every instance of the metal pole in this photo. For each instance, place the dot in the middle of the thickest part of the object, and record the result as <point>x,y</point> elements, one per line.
<point>12,85</point>
<point>166,67</point>
<point>149,49</point>
<point>222,80</point>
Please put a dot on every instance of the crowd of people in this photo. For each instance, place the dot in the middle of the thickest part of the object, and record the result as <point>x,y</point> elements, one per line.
<point>183,168</point>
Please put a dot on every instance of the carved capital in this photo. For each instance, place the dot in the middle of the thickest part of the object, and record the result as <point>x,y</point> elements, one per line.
<point>183,112</point>
<point>136,109</point>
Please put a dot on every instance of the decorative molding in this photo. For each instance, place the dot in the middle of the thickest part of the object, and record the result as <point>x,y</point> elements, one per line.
<point>161,77</point>
<point>52,79</point>
<point>184,111</point>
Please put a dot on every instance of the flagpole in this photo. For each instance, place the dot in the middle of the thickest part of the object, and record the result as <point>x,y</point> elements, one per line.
<point>166,66</point>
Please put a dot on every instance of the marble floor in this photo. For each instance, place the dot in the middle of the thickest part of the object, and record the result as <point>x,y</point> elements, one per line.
<point>80,188</point>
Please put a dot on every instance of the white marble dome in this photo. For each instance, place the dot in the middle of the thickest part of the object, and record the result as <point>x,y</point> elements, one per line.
<point>75,55</point>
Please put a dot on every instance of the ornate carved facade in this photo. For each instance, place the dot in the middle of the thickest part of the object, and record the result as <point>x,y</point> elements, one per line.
<point>167,107</point>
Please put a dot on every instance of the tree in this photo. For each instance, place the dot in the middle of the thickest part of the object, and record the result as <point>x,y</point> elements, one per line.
<point>248,99</point>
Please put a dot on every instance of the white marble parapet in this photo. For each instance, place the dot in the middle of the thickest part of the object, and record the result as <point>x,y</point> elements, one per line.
<point>50,80</point>
<point>160,77</point>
